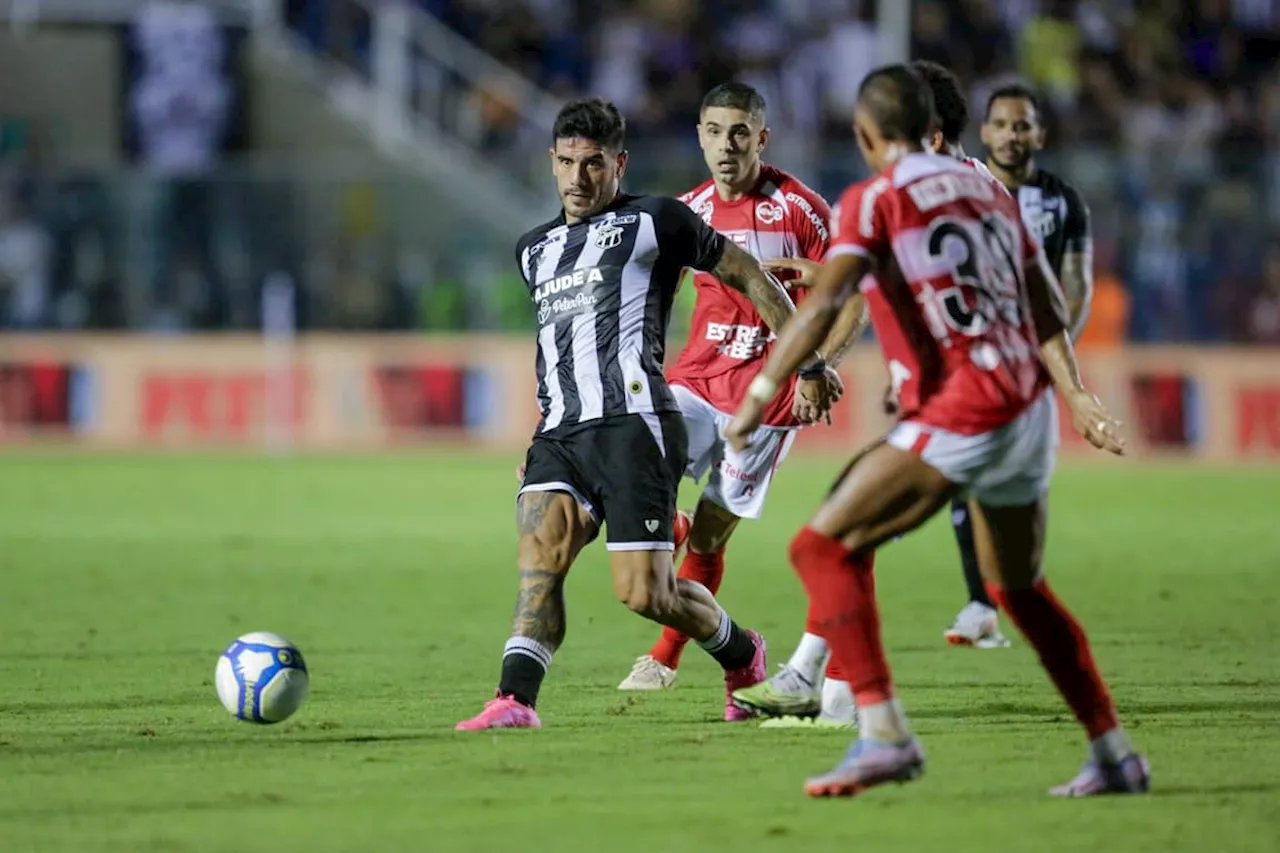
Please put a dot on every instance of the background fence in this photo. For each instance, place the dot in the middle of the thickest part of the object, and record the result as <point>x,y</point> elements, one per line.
<point>351,392</point>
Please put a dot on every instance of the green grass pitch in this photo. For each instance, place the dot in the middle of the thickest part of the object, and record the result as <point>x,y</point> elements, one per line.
<point>124,577</point>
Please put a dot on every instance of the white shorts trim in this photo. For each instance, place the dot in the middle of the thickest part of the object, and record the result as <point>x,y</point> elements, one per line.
<point>738,482</point>
<point>1009,466</point>
<point>654,423</point>
<point>567,489</point>
<point>640,546</point>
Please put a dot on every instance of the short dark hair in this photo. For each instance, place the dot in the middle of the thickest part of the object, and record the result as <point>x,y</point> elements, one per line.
<point>899,102</point>
<point>591,118</point>
<point>736,96</point>
<point>1016,90</point>
<point>949,101</point>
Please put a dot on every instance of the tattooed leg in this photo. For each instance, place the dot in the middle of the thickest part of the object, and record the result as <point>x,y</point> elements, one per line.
<point>540,607</point>
<point>553,529</point>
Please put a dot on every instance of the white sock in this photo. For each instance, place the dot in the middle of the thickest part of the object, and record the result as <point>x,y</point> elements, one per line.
<point>720,638</point>
<point>884,721</point>
<point>1111,747</point>
<point>809,657</point>
<point>529,648</point>
<point>837,701</point>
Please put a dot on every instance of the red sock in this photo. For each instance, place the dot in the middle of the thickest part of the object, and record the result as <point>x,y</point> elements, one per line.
<point>1063,649</point>
<point>706,569</point>
<point>834,672</point>
<point>843,605</point>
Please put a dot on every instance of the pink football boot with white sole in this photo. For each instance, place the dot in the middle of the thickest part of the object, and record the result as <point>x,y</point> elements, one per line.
<point>749,676</point>
<point>501,712</point>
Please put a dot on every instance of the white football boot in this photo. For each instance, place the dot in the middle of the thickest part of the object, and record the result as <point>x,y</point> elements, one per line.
<point>648,674</point>
<point>977,626</point>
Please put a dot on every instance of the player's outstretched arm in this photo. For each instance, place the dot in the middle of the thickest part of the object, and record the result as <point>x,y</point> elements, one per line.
<point>1048,310</point>
<point>851,321</point>
<point>848,327</point>
<point>743,273</point>
<point>834,286</point>
<point>739,270</point>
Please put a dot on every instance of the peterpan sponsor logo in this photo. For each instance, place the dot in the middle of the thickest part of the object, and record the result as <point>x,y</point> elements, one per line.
<point>565,305</point>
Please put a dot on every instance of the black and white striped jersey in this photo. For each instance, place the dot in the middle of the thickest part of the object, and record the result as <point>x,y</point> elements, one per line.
<point>602,289</point>
<point>1056,215</point>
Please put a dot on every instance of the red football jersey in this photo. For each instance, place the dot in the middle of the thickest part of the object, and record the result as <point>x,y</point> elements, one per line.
<point>728,340</point>
<point>981,168</point>
<point>947,301</point>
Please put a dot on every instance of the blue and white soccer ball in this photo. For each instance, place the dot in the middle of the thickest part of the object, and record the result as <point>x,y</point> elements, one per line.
<point>262,678</point>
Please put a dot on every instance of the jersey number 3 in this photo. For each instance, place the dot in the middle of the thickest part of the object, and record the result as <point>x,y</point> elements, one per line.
<point>986,276</point>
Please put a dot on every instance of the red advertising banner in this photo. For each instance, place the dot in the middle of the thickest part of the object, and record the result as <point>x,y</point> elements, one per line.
<point>204,404</point>
<point>339,392</point>
<point>37,397</point>
<point>1257,416</point>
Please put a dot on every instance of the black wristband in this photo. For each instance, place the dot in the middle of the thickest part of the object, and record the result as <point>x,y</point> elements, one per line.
<point>817,370</point>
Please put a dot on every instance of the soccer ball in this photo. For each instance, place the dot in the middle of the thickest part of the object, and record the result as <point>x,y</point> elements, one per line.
<point>261,678</point>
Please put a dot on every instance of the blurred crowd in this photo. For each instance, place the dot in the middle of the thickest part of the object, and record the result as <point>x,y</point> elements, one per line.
<point>1138,72</point>
<point>1166,113</point>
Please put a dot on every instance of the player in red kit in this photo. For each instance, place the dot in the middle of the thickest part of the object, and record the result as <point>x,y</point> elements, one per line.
<point>786,697</point>
<point>771,215</point>
<point>973,325</point>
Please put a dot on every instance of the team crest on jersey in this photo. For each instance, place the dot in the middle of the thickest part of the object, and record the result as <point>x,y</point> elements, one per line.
<point>609,237</point>
<point>705,210</point>
<point>1041,222</point>
<point>768,212</point>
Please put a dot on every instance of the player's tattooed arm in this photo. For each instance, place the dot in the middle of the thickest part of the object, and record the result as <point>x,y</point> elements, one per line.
<point>834,288</point>
<point>1077,287</point>
<point>739,270</point>
<point>850,323</point>
<point>836,284</point>
<point>539,612</point>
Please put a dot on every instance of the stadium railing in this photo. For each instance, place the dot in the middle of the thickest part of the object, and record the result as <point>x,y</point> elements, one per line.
<point>426,96</point>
